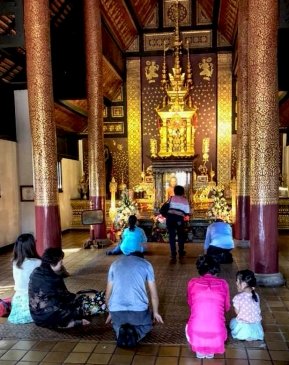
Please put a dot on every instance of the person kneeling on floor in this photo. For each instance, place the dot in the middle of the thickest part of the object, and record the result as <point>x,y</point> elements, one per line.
<point>128,301</point>
<point>51,304</point>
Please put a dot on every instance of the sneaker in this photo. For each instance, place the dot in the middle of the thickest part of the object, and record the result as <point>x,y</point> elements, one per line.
<point>127,336</point>
<point>200,355</point>
<point>209,356</point>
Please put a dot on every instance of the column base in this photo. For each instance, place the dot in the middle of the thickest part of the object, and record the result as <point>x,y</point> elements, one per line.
<point>242,243</point>
<point>270,280</point>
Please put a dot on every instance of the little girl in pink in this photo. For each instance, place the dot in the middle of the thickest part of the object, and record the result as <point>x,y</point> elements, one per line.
<point>208,299</point>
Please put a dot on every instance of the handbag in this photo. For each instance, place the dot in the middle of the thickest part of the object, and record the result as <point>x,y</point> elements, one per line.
<point>91,302</point>
<point>5,307</point>
<point>165,208</point>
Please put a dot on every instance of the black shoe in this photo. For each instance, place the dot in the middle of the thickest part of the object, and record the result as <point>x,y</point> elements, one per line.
<point>109,253</point>
<point>182,253</point>
<point>127,336</point>
<point>173,260</point>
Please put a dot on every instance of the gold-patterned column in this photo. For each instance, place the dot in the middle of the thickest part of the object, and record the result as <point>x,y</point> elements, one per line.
<point>224,126</point>
<point>41,112</point>
<point>242,223</point>
<point>264,139</point>
<point>134,120</point>
<point>94,85</point>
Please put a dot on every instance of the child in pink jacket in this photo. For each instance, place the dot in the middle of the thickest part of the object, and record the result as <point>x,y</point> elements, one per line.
<point>208,299</point>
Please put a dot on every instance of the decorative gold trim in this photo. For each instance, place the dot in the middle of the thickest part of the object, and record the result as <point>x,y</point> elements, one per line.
<point>117,111</point>
<point>134,120</point>
<point>195,39</point>
<point>224,139</point>
<point>113,128</point>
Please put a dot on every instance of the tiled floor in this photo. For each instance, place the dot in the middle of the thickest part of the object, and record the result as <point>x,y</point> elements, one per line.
<point>275,308</point>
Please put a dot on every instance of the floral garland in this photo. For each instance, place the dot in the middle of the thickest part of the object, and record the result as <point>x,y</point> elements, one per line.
<point>219,208</point>
<point>126,208</point>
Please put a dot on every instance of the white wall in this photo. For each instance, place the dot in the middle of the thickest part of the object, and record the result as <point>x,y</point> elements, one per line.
<point>24,153</point>
<point>9,201</point>
<point>71,174</point>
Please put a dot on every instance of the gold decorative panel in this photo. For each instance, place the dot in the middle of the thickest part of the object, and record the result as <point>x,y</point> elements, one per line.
<point>134,120</point>
<point>243,128</point>
<point>170,10</point>
<point>224,139</point>
<point>113,128</point>
<point>196,39</point>
<point>263,102</point>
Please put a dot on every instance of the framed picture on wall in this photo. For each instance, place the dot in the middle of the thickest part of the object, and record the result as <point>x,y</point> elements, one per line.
<point>26,193</point>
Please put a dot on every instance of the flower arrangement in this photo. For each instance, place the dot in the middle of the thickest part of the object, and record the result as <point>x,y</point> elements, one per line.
<point>125,208</point>
<point>219,208</point>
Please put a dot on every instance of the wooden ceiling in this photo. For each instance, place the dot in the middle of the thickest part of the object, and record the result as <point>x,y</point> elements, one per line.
<point>122,22</point>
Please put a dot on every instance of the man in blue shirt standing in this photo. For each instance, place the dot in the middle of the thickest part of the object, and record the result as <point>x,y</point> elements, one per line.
<point>128,301</point>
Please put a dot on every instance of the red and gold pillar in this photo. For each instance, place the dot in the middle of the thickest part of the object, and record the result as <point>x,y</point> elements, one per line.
<point>264,139</point>
<point>96,163</point>
<point>242,224</point>
<point>41,111</point>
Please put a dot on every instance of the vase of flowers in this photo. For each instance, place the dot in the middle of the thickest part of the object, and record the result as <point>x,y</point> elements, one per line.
<point>126,207</point>
<point>219,208</point>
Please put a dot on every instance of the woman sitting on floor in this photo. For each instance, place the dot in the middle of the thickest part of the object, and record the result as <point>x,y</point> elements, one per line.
<point>133,239</point>
<point>51,304</point>
<point>219,241</point>
<point>25,260</point>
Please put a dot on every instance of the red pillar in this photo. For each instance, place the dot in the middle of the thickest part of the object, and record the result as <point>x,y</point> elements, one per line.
<point>264,139</point>
<point>93,44</point>
<point>41,109</point>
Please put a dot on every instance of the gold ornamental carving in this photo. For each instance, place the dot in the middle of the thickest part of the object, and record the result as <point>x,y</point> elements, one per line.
<point>93,43</point>
<point>134,120</point>
<point>263,103</point>
<point>224,139</point>
<point>243,129</point>
<point>41,107</point>
<point>176,130</point>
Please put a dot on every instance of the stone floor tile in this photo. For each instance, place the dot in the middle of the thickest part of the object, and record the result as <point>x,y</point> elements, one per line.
<point>121,359</point>
<point>23,345</point>
<point>237,362</point>
<point>104,348</point>
<point>280,355</point>
<point>273,336</point>
<point>261,362</point>
<point>27,363</point>
<point>34,356</point>
<point>77,358</point>
<point>147,349</point>
<point>258,354</point>
<point>7,344</point>
<point>165,360</point>
<point>44,345</point>
<point>169,351</point>
<point>55,357</point>
<point>214,362</point>
<point>122,351</point>
<point>8,362</point>
<point>50,363</point>
<point>277,345</point>
<point>236,354</point>
<point>99,359</point>
<point>143,360</point>
<point>84,347</point>
<point>189,361</point>
<point>64,346</point>
<point>13,355</point>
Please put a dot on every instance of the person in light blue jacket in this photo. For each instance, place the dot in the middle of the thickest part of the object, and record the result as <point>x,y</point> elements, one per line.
<point>219,241</point>
<point>132,240</point>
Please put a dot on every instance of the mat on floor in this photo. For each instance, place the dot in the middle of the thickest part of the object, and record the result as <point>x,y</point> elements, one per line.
<point>171,280</point>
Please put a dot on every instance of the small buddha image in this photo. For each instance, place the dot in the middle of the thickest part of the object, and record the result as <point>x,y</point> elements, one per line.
<point>172,183</point>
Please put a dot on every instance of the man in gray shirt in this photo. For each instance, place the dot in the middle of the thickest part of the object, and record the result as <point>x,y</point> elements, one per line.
<point>128,301</point>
